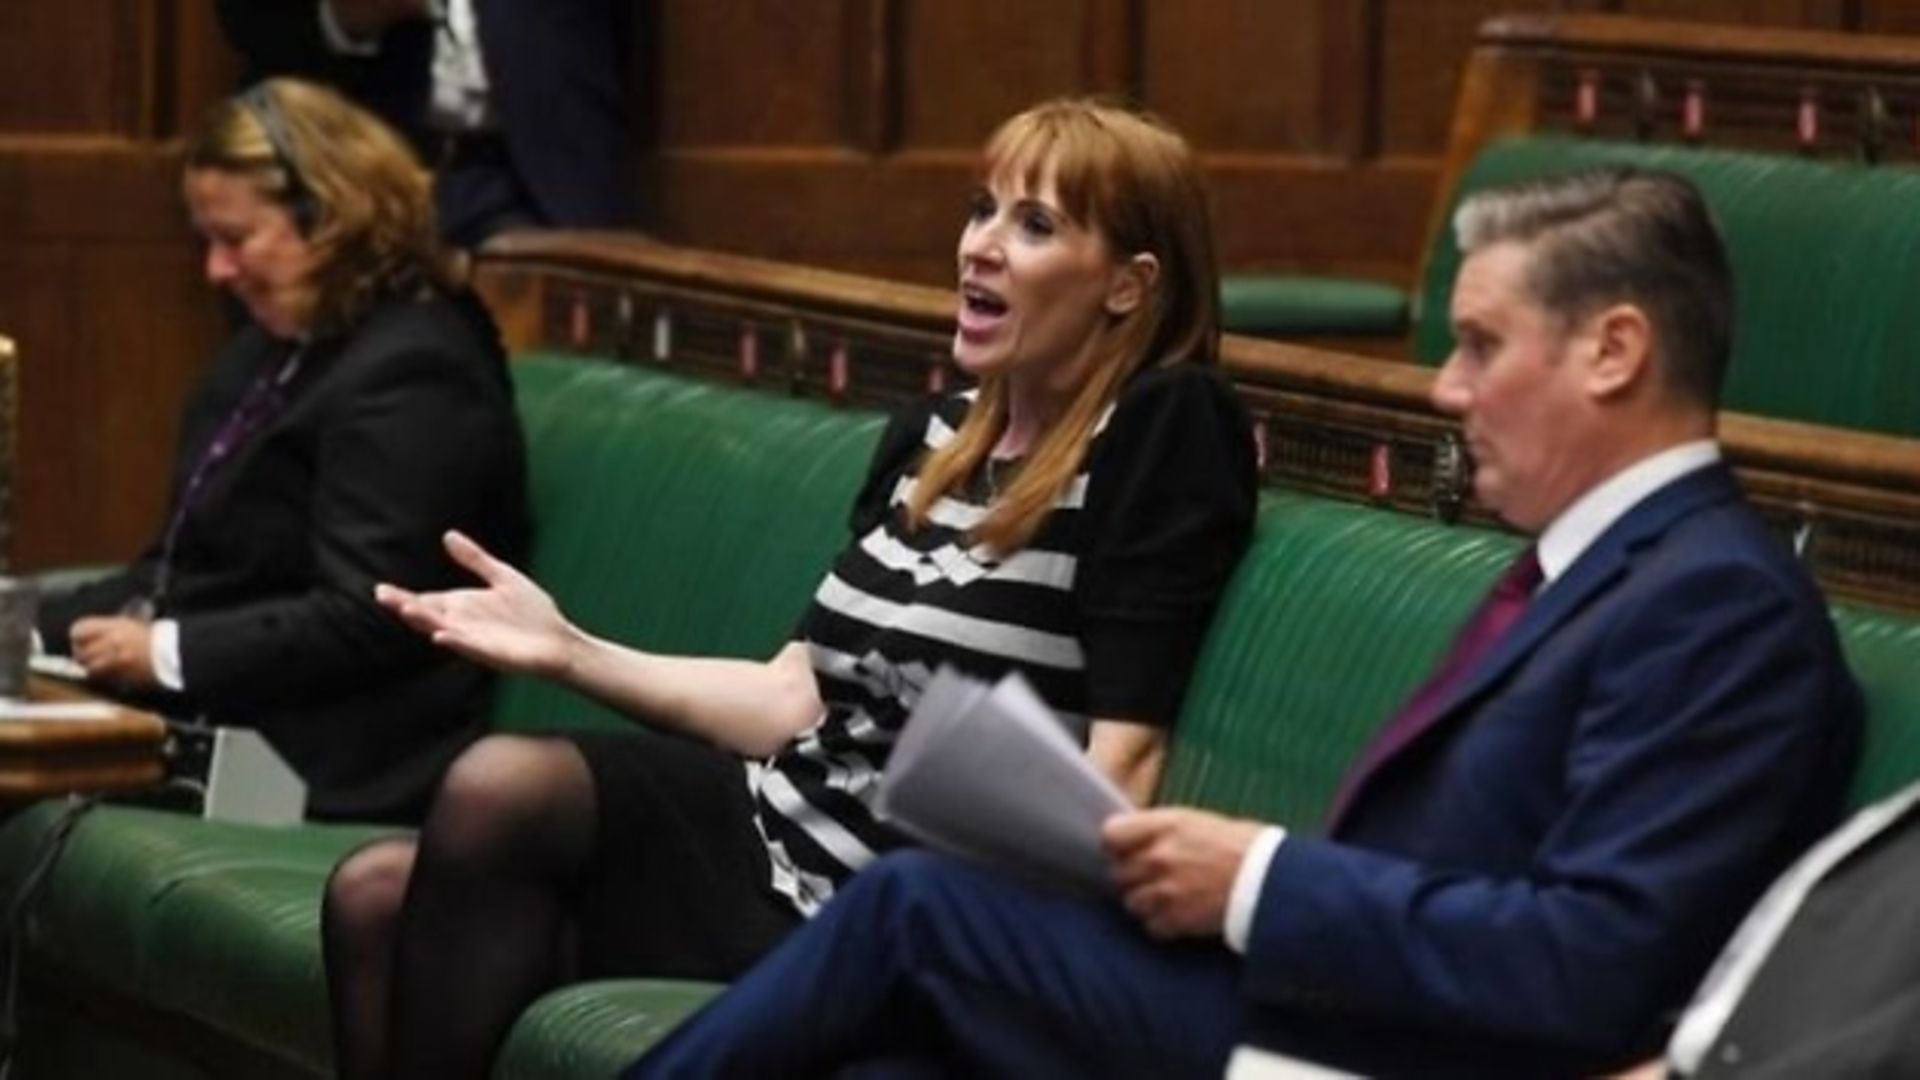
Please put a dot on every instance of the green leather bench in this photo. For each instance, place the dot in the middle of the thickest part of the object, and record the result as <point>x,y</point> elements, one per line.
<point>1826,260</point>
<point>164,946</point>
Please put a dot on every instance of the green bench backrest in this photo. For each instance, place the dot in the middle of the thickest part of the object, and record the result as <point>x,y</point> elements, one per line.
<point>1884,651</point>
<point>1336,614</point>
<point>1826,266</point>
<point>737,501</point>
<point>677,515</point>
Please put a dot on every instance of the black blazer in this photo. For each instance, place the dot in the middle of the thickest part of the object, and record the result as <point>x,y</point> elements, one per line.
<point>390,435</point>
<point>555,68</point>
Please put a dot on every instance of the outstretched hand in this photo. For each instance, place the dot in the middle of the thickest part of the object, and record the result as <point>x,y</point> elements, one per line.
<point>510,624</point>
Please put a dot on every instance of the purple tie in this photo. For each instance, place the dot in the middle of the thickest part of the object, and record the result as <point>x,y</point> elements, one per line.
<point>1497,614</point>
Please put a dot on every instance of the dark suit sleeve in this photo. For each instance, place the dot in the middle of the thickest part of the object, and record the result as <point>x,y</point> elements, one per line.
<point>406,450</point>
<point>283,37</point>
<point>1703,728</point>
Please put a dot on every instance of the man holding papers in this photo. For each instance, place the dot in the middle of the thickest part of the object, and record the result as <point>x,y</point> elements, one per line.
<point>1532,865</point>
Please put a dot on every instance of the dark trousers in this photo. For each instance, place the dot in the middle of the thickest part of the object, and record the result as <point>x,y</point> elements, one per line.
<point>924,965</point>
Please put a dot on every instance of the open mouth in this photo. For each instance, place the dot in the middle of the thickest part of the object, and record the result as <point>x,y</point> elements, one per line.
<point>981,310</point>
<point>984,302</point>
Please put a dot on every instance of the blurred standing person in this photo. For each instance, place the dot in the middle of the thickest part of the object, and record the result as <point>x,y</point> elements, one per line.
<point>519,108</point>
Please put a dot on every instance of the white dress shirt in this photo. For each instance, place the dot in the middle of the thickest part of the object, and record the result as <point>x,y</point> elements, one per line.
<point>1560,545</point>
<point>460,99</point>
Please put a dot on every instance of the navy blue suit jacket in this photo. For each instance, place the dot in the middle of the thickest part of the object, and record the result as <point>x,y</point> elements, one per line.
<point>1536,881</point>
<point>555,69</point>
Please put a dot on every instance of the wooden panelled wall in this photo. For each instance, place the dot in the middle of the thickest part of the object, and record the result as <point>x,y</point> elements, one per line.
<point>851,141</point>
<point>99,279</point>
<point>838,132</point>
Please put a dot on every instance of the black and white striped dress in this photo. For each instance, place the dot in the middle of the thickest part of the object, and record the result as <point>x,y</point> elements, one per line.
<point>1103,611</point>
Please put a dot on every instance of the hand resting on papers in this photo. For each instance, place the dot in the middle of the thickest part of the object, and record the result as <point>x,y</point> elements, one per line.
<point>1175,866</point>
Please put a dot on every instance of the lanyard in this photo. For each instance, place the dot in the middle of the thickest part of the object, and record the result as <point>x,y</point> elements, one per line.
<point>263,399</point>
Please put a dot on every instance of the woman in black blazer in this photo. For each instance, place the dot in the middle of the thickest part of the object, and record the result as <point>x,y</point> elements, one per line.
<point>363,412</point>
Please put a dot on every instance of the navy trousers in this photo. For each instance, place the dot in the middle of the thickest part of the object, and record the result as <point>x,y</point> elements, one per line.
<point>925,965</point>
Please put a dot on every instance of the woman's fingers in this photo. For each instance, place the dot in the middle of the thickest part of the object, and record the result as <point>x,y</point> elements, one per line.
<point>477,561</point>
<point>392,597</point>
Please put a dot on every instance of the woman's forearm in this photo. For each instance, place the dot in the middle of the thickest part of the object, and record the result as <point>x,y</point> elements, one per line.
<point>1131,754</point>
<point>751,707</point>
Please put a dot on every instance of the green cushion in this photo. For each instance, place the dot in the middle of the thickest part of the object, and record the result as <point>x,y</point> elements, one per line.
<point>213,920</point>
<point>1283,306</point>
<point>1883,649</point>
<point>1826,259</point>
<point>677,515</point>
<point>1334,615</point>
<point>594,1029</point>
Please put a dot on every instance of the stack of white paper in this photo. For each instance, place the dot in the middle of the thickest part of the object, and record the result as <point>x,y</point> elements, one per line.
<point>990,773</point>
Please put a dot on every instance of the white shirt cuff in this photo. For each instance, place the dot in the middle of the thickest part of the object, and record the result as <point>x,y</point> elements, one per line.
<point>165,654</point>
<point>339,40</point>
<point>1245,898</point>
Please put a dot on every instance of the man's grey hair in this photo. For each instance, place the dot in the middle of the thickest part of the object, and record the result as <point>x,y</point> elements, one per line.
<point>1621,235</point>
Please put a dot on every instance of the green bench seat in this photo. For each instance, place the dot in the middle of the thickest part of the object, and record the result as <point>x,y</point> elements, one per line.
<point>697,517</point>
<point>1284,305</point>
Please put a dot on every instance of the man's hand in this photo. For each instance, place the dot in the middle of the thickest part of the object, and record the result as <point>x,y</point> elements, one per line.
<point>115,649</point>
<point>1176,867</point>
<point>366,20</point>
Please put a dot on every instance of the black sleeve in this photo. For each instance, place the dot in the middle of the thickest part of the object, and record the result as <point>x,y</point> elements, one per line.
<point>1170,507</point>
<point>896,455</point>
<point>423,440</point>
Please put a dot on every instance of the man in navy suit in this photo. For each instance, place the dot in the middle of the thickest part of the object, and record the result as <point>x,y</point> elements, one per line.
<point>1539,855</point>
<point>520,107</point>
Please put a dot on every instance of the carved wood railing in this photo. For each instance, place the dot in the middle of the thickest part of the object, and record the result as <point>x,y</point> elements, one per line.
<point>1854,96</point>
<point>1339,425</point>
<point>1830,95</point>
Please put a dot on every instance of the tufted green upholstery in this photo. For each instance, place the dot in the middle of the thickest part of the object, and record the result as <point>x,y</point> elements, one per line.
<point>1884,651</point>
<point>595,1028</point>
<point>1826,264</point>
<point>705,534</point>
<point>1334,615</point>
<point>698,517</point>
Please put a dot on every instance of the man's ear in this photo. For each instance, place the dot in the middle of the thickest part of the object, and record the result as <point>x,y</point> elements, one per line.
<point>1133,281</point>
<point>1623,351</point>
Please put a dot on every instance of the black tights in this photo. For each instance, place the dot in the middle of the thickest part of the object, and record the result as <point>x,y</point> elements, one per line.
<point>434,947</point>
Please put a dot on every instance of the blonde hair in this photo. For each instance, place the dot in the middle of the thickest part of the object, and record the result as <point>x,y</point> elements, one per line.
<point>1130,177</point>
<point>368,212</point>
